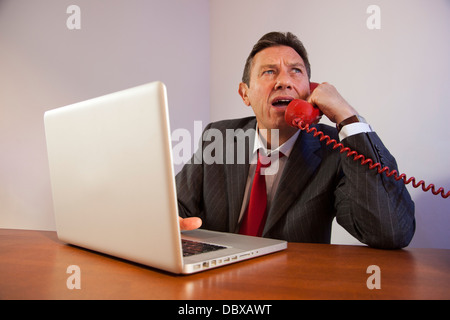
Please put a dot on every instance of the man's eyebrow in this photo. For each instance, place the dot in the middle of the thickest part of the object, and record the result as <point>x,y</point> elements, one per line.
<point>296,64</point>
<point>268,66</point>
<point>272,66</point>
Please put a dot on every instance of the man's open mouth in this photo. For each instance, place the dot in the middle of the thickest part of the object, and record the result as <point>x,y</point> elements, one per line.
<point>281,102</point>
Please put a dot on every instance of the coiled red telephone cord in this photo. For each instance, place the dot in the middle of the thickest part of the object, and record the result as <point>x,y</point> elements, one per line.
<point>304,126</point>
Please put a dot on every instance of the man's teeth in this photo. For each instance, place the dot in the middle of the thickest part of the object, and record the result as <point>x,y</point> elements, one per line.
<point>281,102</point>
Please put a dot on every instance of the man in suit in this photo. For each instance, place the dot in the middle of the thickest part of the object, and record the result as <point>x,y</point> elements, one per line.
<point>312,183</point>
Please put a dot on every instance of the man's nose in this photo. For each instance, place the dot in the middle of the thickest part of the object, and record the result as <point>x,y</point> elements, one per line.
<point>283,81</point>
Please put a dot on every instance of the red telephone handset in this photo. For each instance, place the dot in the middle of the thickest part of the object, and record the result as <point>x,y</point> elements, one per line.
<point>302,114</point>
<point>304,110</point>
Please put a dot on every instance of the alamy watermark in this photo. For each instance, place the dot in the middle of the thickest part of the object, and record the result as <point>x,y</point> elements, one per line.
<point>374,280</point>
<point>73,22</point>
<point>373,21</point>
<point>74,280</point>
<point>231,146</point>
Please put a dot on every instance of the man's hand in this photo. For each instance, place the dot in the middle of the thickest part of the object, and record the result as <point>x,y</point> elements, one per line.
<point>189,223</point>
<point>331,103</point>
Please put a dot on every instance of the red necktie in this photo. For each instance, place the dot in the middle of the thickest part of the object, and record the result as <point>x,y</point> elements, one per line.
<point>255,215</point>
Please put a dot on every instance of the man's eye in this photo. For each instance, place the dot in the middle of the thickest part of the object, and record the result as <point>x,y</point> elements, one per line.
<point>297,70</point>
<point>269,72</point>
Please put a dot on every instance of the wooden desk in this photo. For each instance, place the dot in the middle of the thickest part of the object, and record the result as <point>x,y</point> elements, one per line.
<point>33,265</point>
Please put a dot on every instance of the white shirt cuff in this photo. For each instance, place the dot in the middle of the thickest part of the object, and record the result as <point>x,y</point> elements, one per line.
<point>354,128</point>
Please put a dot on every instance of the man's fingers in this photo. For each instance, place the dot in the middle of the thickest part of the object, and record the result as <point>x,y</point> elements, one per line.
<point>189,223</point>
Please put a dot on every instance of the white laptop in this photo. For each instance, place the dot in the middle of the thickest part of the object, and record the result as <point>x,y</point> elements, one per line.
<point>113,185</point>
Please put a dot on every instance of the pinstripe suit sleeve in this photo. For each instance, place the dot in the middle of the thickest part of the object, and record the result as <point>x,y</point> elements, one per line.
<point>213,191</point>
<point>189,182</point>
<point>374,208</point>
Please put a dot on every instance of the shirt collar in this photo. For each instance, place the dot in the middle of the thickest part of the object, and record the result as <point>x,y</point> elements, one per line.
<point>285,148</point>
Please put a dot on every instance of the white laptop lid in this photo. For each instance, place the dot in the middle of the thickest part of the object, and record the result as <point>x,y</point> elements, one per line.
<point>109,188</point>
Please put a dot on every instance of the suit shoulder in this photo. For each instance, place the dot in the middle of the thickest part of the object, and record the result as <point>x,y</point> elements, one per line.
<point>234,123</point>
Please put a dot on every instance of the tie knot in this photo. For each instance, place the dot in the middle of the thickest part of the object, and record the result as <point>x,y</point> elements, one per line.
<point>265,161</point>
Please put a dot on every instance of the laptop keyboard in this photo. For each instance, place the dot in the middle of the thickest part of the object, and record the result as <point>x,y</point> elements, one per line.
<point>191,248</point>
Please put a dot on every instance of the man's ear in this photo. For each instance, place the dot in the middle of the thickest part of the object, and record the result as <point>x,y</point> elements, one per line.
<point>243,92</point>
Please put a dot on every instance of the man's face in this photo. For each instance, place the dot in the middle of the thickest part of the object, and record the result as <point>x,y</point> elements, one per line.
<point>278,75</point>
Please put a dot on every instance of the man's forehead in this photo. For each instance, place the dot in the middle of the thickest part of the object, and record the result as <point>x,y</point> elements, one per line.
<point>274,55</point>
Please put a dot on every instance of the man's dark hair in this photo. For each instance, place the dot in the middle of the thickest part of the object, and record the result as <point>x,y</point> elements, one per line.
<point>274,39</point>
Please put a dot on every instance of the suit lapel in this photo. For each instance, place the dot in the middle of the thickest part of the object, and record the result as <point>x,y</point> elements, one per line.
<point>237,172</point>
<point>301,165</point>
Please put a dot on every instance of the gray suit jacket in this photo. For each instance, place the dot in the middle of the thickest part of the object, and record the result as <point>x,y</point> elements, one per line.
<point>317,184</point>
